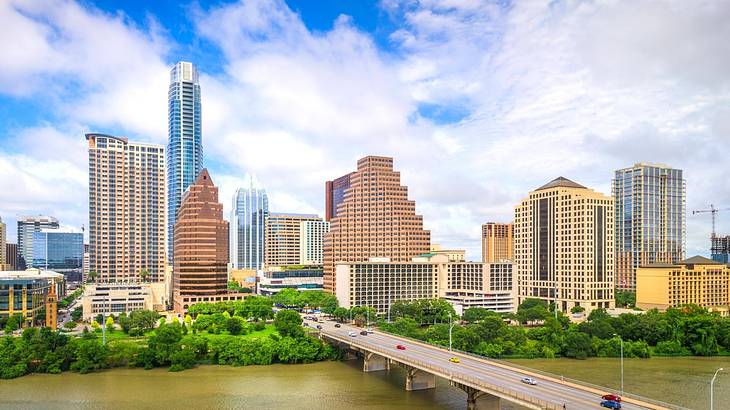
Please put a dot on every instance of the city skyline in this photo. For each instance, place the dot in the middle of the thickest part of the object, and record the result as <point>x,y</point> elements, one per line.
<point>423,105</point>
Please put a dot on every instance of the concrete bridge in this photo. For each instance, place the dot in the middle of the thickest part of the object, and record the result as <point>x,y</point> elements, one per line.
<point>487,383</point>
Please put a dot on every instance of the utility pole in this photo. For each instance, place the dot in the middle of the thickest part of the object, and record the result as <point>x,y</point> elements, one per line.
<point>622,362</point>
<point>451,326</point>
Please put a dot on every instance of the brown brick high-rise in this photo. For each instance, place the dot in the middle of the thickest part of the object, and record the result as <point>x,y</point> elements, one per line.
<point>200,243</point>
<point>375,219</point>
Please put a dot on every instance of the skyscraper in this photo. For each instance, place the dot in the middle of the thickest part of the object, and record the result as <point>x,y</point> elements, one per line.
<point>563,235</point>
<point>26,226</point>
<point>497,242</point>
<point>201,244</point>
<point>3,249</point>
<point>248,219</point>
<point>11,256</point>
<point>185,141</point>
<point>374,219</point>
<point>311,240</point>
<point>126,211</point>
<point>334,194</point>
<point>649,218</point>
<point>283,238</point>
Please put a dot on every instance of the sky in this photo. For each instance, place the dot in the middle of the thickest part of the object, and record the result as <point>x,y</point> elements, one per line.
<point>479,102</point>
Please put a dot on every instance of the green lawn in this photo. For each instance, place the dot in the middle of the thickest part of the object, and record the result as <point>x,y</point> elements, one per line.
<point>268,330</point>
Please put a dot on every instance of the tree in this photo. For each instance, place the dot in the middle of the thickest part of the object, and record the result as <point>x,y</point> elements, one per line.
<point>577,345</point>
<point>625,298</point>
<point>476,314</point>
<point>287,297</point>
<point>235,325</point>
<point>14,322</point>
<point>92,276</point>
<point>288,323</point>
<point>109,323</point>
<point>341,314</point>
<point>76,314</point>
<point>143,275</point>
<point>577,309</point>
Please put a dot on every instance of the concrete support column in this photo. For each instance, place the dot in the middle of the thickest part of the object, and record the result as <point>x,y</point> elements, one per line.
<point>419,380</point>
<point>373,362</point>
<point>477,399</point>
<point>350,355</point>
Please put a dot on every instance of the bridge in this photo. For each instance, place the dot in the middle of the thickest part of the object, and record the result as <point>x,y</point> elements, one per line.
<point>485,382</point>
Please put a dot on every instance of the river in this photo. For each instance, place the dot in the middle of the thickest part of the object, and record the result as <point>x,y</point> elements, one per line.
<point>333,385</point>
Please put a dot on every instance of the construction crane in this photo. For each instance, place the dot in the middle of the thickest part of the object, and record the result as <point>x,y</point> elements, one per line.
<point>712,211</point>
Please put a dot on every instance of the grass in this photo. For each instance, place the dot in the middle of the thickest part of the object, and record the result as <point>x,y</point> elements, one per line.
<point>118,335</point>
<point>268,331</point>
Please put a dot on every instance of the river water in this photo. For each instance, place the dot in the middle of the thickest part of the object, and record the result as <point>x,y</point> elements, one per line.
<point>334,385</point>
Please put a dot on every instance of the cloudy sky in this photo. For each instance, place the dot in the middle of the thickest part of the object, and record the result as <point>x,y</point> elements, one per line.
<point>478,101</point>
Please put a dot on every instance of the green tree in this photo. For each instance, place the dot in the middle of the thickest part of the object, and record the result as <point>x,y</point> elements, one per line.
<point>287,298</point>
<point>477,314</point>
<point>288,323</point>
<point>109,323</point>
<point>577,345</point>
<point>90,356</point>
<point>235,325</point>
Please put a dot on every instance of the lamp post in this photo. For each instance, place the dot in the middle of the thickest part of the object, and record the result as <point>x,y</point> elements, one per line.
<point>451,326</point>
<point>622,362</point>
<point>712,385</point>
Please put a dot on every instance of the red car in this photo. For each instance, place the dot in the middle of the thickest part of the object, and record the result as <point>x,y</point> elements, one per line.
<point>400,347</point>
<point>612,397</point>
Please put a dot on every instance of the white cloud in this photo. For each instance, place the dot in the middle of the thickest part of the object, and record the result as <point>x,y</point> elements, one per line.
<point>577,89</point>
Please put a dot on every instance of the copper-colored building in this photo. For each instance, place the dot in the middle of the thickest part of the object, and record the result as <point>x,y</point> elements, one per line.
<point>126,209</point>
<point>497,242</point>
<point>200,244</point>
<point>374,220</point>
<point>283,238</point>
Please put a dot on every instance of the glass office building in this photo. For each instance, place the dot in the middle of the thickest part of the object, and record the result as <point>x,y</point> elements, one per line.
<point>27,225</point>
<point>185,142</point>
<point>59,251</point>
<point>248,218</point>
<point>649,219</point>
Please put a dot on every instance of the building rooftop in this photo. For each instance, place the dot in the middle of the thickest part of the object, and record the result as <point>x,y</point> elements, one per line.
<point>30,274</point>
<point>699,260</point>
<point>561,182</point>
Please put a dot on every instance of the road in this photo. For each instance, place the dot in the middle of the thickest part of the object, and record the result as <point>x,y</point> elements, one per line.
<point>551,391</point>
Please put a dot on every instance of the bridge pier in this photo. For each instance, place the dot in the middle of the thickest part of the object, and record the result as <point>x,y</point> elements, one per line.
<point>417,379</point>
<point>477,399</point>
<point>350,355</point>
<point>374,362</point>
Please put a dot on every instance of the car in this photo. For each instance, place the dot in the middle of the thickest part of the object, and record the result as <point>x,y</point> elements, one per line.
<point>530,381</point>
<point>338,325</point>
<point>351,333</point>
<point>319,327</point>
<point>611,397</point>
<point>610,404</point>
<point>370,330</point>
<point>400,347</point>
<point>455,360</point>
<point>364,332</point>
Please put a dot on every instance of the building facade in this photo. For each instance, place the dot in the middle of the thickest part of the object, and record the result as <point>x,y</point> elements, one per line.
<point>24,292</point>
<point>463,284</point>
<point>300,278</point>
<point>311,240</point>
<point>563,237</point>
<point>61,251</point>
<point>201,244</point>
<point>697,280</point>
<point>126,211</point>
<point>185,138</point>
<point>26,226</point>
<point>3,246</point>
<point>497,242</point>
<point>248,222</point>
<point>375,219</point>
<point>283,244</point>
<point>11,256</point>
<point>649,219</point>
<point>115,298</point>
<point>334,195</point>
<point>720,249</point>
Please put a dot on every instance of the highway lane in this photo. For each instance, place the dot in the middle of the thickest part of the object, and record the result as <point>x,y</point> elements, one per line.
<point>508,379</point>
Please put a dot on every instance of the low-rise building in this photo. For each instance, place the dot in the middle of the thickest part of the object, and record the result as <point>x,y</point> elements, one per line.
<point>118,297</point>
<point>379,283</point>
<point>246,278</point>
<point>24,292</point>
<point>299,277</point>
<point>697,280</point>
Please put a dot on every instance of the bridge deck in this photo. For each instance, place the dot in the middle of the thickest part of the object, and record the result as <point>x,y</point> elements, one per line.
<point>494,378</point>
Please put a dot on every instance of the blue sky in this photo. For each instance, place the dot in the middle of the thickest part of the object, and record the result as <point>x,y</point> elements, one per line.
<point>478,101</point>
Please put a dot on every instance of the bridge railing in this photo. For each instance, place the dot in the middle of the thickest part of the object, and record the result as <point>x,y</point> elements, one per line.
<point>547,374</point>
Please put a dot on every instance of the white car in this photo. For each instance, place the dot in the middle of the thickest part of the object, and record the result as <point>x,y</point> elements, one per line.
<point>530,381</point>
<point>351,333</point>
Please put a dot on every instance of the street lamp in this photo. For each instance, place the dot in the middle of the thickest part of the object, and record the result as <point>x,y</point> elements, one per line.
<point>451,326</point>
<point>622,362</point>
<point>712,384</point>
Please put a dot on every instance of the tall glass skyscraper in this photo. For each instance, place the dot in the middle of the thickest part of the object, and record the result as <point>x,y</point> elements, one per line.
<point>248,217</point>
<point>60,251</point>
<point>185,142</point>
<point>649,219</point>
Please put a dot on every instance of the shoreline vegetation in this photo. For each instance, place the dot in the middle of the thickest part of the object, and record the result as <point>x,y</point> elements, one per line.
<point>248,332</point>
